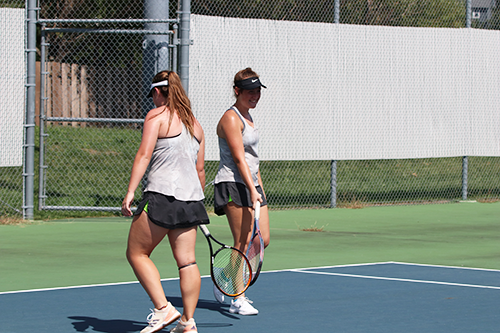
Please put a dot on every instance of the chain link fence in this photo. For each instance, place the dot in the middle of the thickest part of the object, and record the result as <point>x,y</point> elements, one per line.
<point>97,59</point>
<point>423,13</point>
<point>12,105</point>
<point>357,183</point>
<point>97,65</point>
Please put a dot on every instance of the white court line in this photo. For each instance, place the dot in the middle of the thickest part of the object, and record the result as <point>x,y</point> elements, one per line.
<point>325,267</point>
<point>76,287</point>
<point>170,279</point>
<point>301,270</point>
<point>444,266</point>
<point>400,280</point>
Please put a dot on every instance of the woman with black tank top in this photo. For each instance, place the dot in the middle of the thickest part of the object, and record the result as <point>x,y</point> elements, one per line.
<point>173,145</point>
<point>238,185</point>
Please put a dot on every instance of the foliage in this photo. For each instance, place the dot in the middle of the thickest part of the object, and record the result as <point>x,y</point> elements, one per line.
<point>91,9</point>
<point>422,13</point>
<point>428,13</point>
<point>494,22</point>
<point>12,4</point>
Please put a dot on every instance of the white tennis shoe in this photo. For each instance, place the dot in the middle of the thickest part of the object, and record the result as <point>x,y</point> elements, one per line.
<point>158,319</point>
<point>243,306</point>
<point>185,327</point>
<point>219,296</point>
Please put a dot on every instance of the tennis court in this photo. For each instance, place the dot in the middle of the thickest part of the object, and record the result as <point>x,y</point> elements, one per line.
<point>426,268</point>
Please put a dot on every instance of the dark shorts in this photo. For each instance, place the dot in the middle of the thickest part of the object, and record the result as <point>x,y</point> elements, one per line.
<point>235,192</point>
<point>168,212</point>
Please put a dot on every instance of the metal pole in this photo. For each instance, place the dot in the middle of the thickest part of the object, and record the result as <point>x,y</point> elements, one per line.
<point>156,52</point>
<point>336,10</point>
<point>465,169</point>
<point>468,13</point>
<point>185,42</point>
<point>174,47</point>
<point>29,124</point>
<point>333,184</point>
<point>43,98</point>
<point>333,171</point>
<point>465,160</point>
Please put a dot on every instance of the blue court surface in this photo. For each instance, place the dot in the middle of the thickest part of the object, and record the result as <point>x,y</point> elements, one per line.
<point>377,297</point>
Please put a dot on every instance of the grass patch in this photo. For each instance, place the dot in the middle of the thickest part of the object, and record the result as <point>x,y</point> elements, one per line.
<point>90,167</point>
<point>12,220</point>
<point>313,228</point>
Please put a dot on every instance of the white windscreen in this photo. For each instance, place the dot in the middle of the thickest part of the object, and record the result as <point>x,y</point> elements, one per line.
<point>344,92</point>
<point>12,81</point>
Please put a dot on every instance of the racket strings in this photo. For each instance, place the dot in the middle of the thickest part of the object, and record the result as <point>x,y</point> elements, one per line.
<point>231,272</point>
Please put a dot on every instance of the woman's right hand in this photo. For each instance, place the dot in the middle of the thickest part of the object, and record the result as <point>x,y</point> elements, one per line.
<point>255,196</point>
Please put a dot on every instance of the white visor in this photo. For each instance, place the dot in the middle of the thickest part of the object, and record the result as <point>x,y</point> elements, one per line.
<point>157,84</point>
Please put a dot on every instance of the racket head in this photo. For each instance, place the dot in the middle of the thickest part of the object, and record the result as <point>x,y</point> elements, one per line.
<point>231,271</point>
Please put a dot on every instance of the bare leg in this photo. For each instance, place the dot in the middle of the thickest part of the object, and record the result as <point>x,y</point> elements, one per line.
<point>240,221</point>
<point>144,236</point>
<point>183,243</point>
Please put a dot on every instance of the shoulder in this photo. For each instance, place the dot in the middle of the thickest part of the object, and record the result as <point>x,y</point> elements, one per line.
<point>154,114</point>
<point>231,118</point>
<point>198,130</point>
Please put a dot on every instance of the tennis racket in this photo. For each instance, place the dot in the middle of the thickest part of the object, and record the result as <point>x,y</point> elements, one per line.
<point>255,250</point>
<point>229,268</point>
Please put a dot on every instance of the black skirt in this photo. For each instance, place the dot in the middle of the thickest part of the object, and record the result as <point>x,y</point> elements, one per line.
<point>168,212</point>
<point>238,193</point>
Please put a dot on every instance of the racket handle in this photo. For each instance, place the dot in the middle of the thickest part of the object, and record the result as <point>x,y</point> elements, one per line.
<point>204,229</point>
<point>257,210</point>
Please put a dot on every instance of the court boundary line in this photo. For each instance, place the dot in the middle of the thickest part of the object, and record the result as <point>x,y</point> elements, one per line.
<point>167,279</point>
<point>446,266</point>
<point>394,262</point>
<point>299,270</point>
<point>454,284</point>
<point>76,287</point>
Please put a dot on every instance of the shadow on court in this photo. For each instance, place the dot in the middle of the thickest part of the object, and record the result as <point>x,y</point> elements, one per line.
<point>83,323</point>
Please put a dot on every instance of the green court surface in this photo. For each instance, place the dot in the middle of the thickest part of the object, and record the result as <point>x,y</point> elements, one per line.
<point>92,250</point>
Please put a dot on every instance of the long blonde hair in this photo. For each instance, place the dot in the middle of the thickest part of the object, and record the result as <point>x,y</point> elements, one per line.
<point>177,100</point>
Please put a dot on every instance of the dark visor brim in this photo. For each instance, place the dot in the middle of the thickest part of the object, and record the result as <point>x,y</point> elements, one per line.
<point>250,83</point>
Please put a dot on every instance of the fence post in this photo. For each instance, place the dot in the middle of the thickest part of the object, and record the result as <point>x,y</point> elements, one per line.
<point>29,125</point>
<point>43,101</point>
<point>333,184</point>
<point>156,55</point>
<point>185,42</point>
<point>336,10</point>
<point>468,13</point>
<point>333,170</point>
<point>465,160</point>
<point>465,169</point>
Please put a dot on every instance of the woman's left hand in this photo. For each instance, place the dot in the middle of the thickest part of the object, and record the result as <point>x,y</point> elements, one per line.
<point>126,204</point>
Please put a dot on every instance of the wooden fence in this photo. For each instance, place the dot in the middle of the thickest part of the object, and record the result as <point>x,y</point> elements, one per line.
<point>72,92</point>
<point>67,92</point>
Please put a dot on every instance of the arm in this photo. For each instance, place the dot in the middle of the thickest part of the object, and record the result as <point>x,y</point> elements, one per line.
<point>230,128</point>
<point>141,161</point>
<point>200,160</point>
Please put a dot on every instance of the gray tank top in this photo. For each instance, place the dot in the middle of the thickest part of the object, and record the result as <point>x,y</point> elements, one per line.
<point>228,171</point>
<point>173,168</point>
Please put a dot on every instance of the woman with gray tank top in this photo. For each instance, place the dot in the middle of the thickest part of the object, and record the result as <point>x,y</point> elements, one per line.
<point>238,185</point>
<point>173,145</point>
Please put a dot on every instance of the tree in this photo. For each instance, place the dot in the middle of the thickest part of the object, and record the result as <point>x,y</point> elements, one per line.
<point>416,13</point>
<point>412,13</point>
